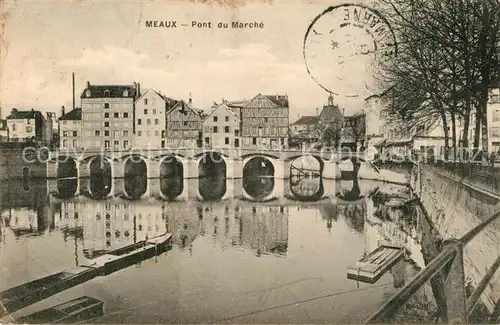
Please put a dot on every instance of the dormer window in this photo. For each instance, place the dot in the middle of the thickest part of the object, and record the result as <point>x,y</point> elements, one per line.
<point>106,93</point>
<point>87,93</point>
<point>125,93</point>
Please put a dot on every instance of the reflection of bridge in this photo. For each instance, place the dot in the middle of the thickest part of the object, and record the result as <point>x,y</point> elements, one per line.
<point>234,160</point>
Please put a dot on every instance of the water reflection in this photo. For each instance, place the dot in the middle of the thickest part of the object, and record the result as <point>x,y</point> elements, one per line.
<point>136,178</point>
<point>100,178</point>
<point>212,177</point>
<point>67,188</point>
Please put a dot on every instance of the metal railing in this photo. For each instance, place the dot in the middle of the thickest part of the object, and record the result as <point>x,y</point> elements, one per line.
<point>450,262</point>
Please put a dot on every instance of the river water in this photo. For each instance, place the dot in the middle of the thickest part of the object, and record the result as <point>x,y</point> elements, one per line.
<point>266,256</point>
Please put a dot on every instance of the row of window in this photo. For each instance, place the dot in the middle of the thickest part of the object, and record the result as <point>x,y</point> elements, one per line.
<point>148,121</point>
<point>116,133</point>
<point>146,111</point>
<point>70,133</point>
<point>148,133</point>
<point>226,141</point>
<point>227,129</point>
<point>226,118</point>
<point>116,144</point>
<point>66,143</point>
<point>116,115</point>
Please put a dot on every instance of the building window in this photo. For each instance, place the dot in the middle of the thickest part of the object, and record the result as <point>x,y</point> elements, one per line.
<point>215,118</point>
<point>282,141</point>
<point>145,103</point>
<point>106,144</point>
<point>106,133</point>
<point>185,123</point>
<point>29,121</point>
<point>117,143</point>
<point>157,133</point>
<point>496,116</point>
<point>154,110</point>
<point>106,124</point>
<point>149,121</point>
<point>65,143</point>
<point>146,111</point>
<point>125,115</point>
<point>157,121</point>
<point>163,133</point>
<point>139,133</point>
<point>65,133</point>
<point>13,127</point>
<point>226,140</point>
<point>75,133</point>
<point>226,129</point>
<point>265,119</point>
<point>254,140</point>
<point>236,133</point>
<point>106,115</point>
<point>116,115</point>
<point>139,121</point>
<point>97,133</point>
<point>125,133</point>
<point>207,140</point>
<point>215,129</point>
<point>163,143</point>
<point>106,105</point>
<point>106,93</point>
<point>74,143</point>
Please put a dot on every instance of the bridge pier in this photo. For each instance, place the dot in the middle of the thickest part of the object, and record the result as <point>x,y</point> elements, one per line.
<point>83,168</point>
<point>331,170</point>
<point>52,169</point>
<point>234,168</point>
<point>281,169</point>
<point>190,168</point>
<point>117,169</point>
<point>153,167</point>
<point>52,186</point>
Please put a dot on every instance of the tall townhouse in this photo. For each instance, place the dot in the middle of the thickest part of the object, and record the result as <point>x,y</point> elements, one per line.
<point>70,129</point>
<point>265,122</point>
<point>150,119</point>
<point>108,116</point>
<point>184,126</point>
<point>221,128</point>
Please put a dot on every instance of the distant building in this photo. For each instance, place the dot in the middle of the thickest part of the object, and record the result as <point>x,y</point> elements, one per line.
<point>150,119</point>
<point>493,120</point>
<point>330,113</point>
<point>108,116</point>
<point>265,122</point>
<point>376,126</point>
<point>26,126</point>
<point>4,131</point>
<point>305,124</point>
<point>221,128</point>
<point>70,132</point>
<point>184,126</point>
<point>353,134</point>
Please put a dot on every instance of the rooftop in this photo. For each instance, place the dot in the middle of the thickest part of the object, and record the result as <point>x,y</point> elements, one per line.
<point>74,115</point>
<point>306,120</point>
<point>22,115</point>
<point>115,91</point>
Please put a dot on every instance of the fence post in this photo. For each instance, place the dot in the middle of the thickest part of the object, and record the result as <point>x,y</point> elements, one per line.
<point>455,285</point>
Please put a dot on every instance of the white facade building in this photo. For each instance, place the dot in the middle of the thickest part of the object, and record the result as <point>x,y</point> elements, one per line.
<point>221,128</point>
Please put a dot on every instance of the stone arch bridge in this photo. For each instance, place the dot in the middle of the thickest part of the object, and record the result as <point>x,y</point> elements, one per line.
<point>234,159</point>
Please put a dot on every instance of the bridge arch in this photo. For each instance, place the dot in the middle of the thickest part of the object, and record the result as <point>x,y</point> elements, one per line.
<point>171,177</point>
<point>101,176</point>
<point>306,181</point>
<point>259,177</point>
<point>135,172</point>
<point>212,175</point>
<point>66,167</point>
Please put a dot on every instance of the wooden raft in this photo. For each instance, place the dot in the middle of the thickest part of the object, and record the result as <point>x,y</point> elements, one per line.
<point>371,268</point>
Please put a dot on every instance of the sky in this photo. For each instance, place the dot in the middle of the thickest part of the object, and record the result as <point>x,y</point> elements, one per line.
<point>109,43</point>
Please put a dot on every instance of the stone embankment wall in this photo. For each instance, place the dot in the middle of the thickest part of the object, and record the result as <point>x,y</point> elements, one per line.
<point>13,164</point>
<point>456,202</point>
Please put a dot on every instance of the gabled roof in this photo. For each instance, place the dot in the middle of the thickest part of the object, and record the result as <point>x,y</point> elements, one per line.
<point>74,115</point>
<point>183,105</point>
<point>273,100</point>
<point>170,101</point>
<point>115,91</point>
<point>236,103</point>
<point>21,115</point>
<point>331,112</point>
<point>279,100</point>
<point>225,106</point>
<point>306,120</point>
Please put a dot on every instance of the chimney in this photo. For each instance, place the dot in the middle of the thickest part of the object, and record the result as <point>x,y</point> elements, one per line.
<point>88,84</point>
<point>190,99</point>
<point>63,111</point>
<point>138,89</point>
<point>73,81</point>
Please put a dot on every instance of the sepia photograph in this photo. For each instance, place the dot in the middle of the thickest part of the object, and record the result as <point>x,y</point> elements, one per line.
<point>250,162</point>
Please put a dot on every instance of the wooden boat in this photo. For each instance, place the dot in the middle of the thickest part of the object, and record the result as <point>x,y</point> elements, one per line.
<point>29,293</point>
<point>371,268</point>
<point>123,257</point>
<point>77,310</point>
